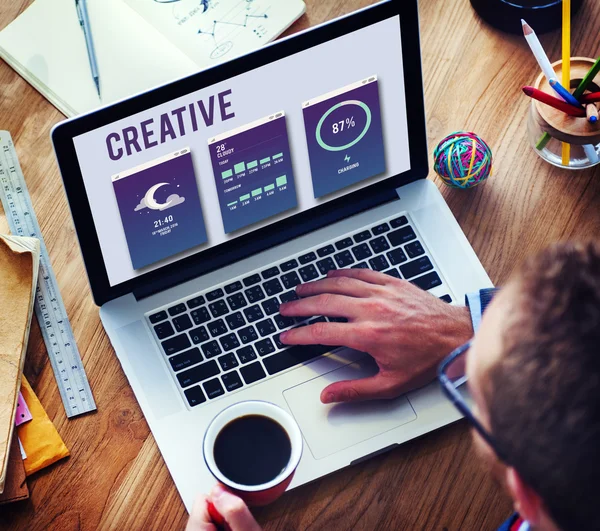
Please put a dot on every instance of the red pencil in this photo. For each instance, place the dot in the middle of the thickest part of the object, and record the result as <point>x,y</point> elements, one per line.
<point>590,98</point>
<point>546,98</point>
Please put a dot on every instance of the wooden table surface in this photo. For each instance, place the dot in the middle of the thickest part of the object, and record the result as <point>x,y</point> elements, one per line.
<point>116,478</point>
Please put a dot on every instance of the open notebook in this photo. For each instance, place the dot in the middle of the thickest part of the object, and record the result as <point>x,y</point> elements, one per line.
<point>139,44</point>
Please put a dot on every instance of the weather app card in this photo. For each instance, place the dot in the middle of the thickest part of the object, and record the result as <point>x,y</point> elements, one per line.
<point>160,208</point>
<point>344,136</point>
<point>253,172</point>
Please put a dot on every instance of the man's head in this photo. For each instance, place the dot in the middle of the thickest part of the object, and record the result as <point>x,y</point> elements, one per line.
<point>534,372</point>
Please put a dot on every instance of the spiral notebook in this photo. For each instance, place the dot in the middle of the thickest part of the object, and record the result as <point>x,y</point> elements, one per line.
<point>139,44</point>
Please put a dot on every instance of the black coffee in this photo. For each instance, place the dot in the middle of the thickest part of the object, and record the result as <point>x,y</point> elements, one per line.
<point>252,450</point>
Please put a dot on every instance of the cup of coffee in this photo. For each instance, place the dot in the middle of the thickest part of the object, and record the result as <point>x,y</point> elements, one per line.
<point>253,448</point>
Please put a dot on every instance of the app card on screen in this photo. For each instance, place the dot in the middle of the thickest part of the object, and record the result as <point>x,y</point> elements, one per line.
<point>160,208</point>
<point>344,136</point>
<point>253,172</point>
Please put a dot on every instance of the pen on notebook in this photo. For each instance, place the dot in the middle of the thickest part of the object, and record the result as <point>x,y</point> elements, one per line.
<point>548,99</point>
<point>564,93</point>
<point>84,21</point>
<point>538,51</point>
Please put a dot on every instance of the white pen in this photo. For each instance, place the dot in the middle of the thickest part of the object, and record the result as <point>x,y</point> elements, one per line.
<point>84,21</point>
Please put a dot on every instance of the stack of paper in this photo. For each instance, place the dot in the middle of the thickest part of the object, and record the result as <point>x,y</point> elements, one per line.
<point>19,262</point>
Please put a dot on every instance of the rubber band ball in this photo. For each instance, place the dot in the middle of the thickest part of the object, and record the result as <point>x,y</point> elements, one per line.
<point>463,160</point>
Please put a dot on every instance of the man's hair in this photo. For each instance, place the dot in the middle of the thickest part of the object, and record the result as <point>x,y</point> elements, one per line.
<point>544,397</point>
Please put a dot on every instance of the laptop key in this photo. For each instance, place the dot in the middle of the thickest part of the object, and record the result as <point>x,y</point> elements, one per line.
<point>283,322</point>
<point>380,229</point>
<point>200,315</point>
<point>289,265</point>
<point>214,294</point>
<point>428,281</point>
<point>393,273</point>
<point>361,265</point>
<point>317,320</point>
<point>163,330</point>
<point>306,258</point>
<point>308,273</point>
<point>293,356</point>
<point>235,320</point>
<point>236,301</point>
<point>176,344</point>
<point>157,317</point>
<point>362,236</point>
<point>195,396</point>
<point>325,265</point>
<point>399,222</point>
<point>229,342</point>
<point>211,349</point>
<point>397,256</point>
<point>270,273</point>
<point>414,249</point>
<point>400,236</point>
<point>199,335</point>
<point>218,308</point>
<point>248,334</point>
<point>344,259</point>
<point>324,251</point>
<point>361,251</point>
<point>199,373</point>
<point>177,309</point>
<point>232,381</point>
<point>228,361</point>
<point>195,302</point>
<point>344,244</point>
<point>217,328</point>
<point>253,372</point>
<point>290,280</point>
<point>246,354</point>
<point>446,298</point>
<point>289,296</point>
<point>272,287</point>
<point>379,245</point>
<point>185,359</point>
<point>265,347</point>
<point>337,319</point>
<point>379,263</point>
<point>254,313</point>
<point>271,306</point>
<point>254,294</point>
<point>266,327</point>
<point>416,267</point>
<point>233,287</point>
<point>276,339</point>
<point>183,322</point>
<point>251,280</point>
<point>213,388</point>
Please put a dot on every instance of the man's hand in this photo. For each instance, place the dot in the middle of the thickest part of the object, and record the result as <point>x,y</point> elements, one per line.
<point>407,330</point>
<point>232,509</point>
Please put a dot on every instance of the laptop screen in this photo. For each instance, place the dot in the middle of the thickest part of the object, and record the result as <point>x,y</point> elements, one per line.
<point>213,165</point>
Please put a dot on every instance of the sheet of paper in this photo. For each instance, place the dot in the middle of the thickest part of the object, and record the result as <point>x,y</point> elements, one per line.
<point>212,31</point>
<point>46,45</point>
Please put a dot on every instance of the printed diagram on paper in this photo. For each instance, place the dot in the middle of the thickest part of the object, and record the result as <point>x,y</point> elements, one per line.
<point>212,31</point>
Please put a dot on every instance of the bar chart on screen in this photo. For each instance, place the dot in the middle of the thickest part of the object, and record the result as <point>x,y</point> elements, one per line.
<point>253,172</point>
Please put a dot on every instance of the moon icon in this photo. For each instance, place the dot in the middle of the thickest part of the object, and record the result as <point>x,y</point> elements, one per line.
<point>151,202</point>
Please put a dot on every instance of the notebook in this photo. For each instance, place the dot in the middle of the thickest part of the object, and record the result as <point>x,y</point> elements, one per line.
<point>139,44</point>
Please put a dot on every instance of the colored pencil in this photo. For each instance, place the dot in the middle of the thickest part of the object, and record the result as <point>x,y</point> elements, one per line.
<point>566,69</point>
<point>589,77</point>
<point>591,153</point>
<point>564,93</point>
<point>591,112</point>
<point>546,98</point>
<point>538,51</point>
<point>592,97</point>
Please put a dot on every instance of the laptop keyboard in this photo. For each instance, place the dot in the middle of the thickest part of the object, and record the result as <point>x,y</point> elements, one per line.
<point>227,338</point>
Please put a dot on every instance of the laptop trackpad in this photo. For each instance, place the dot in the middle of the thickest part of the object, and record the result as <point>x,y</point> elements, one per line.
<point>330,428</point>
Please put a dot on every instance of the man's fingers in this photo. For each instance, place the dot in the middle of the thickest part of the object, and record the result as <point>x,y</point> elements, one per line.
<point>233,509</point>
<point>366,275</point>
<point>324,304</point>
<point>340,285</point>
<point>331,334</point>
<point>371,388</point>
<point>199,518</point>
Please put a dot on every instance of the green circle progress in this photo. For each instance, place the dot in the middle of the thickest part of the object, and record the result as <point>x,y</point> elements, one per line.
<point>363,106</point>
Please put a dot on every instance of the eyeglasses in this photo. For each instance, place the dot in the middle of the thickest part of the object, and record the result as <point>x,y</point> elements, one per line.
<point>453,378</point>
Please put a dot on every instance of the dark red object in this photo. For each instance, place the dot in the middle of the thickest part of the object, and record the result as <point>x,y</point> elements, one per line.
<point>264,497</point>
<point>592,97</point>
<point>546,98</point>
<point>217,517</point>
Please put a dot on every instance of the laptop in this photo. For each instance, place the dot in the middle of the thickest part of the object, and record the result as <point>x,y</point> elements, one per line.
<point>200,206</point>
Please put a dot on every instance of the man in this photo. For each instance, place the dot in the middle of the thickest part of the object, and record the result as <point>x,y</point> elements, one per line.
<point>533,372</point>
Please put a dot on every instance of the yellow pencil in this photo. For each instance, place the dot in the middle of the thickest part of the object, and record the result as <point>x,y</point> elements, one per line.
<point>566,65</point>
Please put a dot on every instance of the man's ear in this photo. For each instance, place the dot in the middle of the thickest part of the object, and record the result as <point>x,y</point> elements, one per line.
<point>527,502</point>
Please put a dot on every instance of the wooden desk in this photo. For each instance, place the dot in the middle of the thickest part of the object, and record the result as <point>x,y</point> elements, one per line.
<point>116,478</point>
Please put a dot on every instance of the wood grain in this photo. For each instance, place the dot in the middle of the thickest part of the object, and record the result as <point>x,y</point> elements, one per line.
<point>116,478</point>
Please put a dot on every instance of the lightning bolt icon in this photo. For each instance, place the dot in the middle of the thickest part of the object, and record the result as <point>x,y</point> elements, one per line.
<point>347,158</point>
